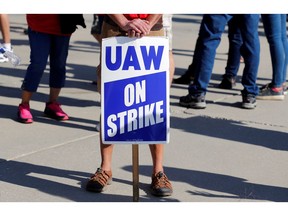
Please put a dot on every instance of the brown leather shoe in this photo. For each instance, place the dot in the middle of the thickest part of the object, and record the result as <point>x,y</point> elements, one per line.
<point>161,185</point>
<point>98,181</point>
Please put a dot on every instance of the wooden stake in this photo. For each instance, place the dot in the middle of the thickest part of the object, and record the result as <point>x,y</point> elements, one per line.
<point>135,163</point>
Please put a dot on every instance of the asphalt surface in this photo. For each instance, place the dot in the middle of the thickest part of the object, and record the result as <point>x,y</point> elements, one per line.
<point>219,154</point>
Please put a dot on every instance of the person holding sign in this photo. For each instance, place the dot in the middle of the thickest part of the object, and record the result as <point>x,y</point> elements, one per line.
<point>130,25</point>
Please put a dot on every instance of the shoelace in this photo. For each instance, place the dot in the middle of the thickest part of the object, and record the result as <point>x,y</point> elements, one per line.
<point>161,180</point>
<point>100,176</point>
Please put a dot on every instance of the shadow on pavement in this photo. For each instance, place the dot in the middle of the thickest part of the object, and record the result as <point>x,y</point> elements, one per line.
<point>232,130</point>
<point>237,188</point>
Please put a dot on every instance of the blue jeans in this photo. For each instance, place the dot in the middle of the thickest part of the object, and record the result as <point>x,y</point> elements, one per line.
<point>235,42</point>
<point>42,46</point>
<point>211,29</point>
<point>275,31</point>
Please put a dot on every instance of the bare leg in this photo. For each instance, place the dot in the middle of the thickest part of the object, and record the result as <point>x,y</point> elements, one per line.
<point>26,97</point>
<point>157,151</point>
<point>106,155</point>
<point>54,94</point>
<point>5,29</point>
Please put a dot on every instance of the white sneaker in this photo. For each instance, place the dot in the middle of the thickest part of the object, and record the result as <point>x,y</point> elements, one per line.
<point>3,58</point>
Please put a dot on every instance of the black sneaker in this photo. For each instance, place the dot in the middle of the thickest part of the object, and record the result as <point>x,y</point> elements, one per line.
<point>269,93</point>
<point>227,83</point>
<point>160,185</point>
<point>249,101</point>
<point>98,181</point>
<point>184,79</point>
<point>190,101</point>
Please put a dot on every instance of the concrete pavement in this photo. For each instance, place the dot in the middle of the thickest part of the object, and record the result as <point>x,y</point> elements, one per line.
<point>220,154</point>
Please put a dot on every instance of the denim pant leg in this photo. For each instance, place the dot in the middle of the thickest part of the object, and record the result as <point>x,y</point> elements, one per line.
<point>58,58</point>
<point>235,42</point>
<point>285,45</point>
<point>40,47</point>
<point>211,29</point>
<point>250,51</point>
<point>273,32</point>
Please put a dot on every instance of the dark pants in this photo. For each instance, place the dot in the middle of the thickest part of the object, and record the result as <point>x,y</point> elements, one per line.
<point>43,46</point>
<point>211,29</point>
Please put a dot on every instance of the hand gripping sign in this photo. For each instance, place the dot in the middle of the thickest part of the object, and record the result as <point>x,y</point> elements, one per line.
<point>135,90</point>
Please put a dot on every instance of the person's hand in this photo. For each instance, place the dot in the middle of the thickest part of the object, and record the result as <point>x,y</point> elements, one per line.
<point>137,28</point>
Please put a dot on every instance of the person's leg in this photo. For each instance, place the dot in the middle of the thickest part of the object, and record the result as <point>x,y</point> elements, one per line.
<point>209,39</point>
<point>103,175</point>
<point>187,77</point>
<point>273,32</point>
<point>157,151</point>
<point>39,46</point>
<point>211,29</point>
<point>189,74</point>
<point>285,46</point>
<point>235,42</point>
<point>160,185</point>
<point>54,94</point>
<point>58,58</point>
<point>5,29</point>
<point>250,51</point>
<point>234,56</point>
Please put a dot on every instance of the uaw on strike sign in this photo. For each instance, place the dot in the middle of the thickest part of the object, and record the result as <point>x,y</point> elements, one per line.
<point>135,90</point>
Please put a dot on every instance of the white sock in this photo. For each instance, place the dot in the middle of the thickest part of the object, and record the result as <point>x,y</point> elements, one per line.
<point>7,46</point>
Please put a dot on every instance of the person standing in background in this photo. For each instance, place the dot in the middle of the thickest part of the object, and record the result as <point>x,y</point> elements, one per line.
<point>5,30</point>
<point>49,37</point>
<point>275,31</point>
<point>211,29</point>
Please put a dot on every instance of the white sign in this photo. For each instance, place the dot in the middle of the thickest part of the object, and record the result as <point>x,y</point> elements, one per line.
<point>135,90</point>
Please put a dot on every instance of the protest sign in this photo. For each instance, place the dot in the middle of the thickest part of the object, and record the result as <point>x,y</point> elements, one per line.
<point>135,90</point>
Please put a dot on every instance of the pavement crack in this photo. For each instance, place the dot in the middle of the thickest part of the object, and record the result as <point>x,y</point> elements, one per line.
<point>49,148</point>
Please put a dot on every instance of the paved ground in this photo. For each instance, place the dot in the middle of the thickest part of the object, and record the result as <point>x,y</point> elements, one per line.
<point>220,154</point>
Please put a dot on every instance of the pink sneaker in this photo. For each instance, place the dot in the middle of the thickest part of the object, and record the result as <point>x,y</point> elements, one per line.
<point>53,110</point>
<point>24,114</point>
